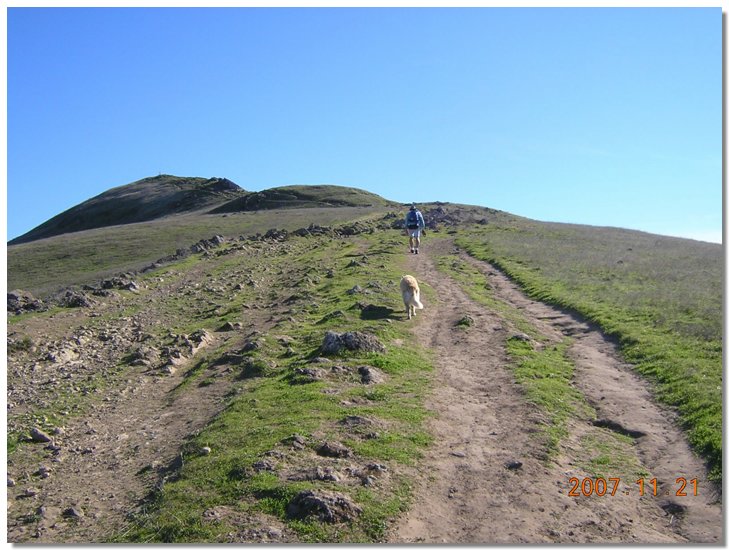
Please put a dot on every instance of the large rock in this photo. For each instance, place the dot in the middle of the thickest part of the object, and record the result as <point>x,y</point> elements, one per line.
<point>72,299</point>
<point>21,301</point>
<point>39,436</point>
<point>370,375</point>
<point>324,505</point>
<point>335,343</point>
<point>334,449</point>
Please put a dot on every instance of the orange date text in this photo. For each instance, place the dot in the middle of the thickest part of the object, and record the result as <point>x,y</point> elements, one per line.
<point>600,486</point>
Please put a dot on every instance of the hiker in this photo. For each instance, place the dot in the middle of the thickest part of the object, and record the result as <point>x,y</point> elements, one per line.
<point>415,225</point>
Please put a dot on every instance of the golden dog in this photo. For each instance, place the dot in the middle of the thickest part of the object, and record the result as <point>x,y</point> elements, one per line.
<point>410,294</point>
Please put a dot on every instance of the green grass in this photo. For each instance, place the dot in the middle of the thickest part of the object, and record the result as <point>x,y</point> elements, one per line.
<point>42,267</point>
<point>661,297</point>
<point>608,455</point>
<point>546,375</point>
<point>266,410</point>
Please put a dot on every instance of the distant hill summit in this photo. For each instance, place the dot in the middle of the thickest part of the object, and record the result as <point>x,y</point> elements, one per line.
<point>140,201</point>
<point>165,195</point>
<point>302,196</point>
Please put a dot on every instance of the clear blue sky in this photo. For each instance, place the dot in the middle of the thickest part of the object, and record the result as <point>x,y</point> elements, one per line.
<point>597,116</point>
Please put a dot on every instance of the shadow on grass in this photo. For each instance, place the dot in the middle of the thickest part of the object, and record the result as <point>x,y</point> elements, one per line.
<point>376,313</point>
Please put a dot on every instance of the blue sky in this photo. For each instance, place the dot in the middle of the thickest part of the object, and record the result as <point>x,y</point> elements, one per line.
<point>595,116</point>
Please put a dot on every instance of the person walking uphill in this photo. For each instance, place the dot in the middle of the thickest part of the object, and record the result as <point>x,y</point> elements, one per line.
<point>415,224</point>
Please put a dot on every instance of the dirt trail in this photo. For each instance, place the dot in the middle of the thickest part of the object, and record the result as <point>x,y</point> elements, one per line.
<point>474,491</point>
<point>104,463</point>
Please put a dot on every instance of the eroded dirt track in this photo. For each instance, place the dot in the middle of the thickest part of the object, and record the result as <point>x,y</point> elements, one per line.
<point>474,490</point>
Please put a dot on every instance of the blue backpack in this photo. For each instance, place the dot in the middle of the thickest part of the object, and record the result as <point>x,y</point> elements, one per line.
<point>412,219</point>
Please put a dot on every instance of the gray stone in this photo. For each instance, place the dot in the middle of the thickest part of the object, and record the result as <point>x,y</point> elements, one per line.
<point>326,506</point>
<point>39,436</point>
<point>335,343</point>
<point>72,512</point>
<point>370,375</point>
<point>334,449</point>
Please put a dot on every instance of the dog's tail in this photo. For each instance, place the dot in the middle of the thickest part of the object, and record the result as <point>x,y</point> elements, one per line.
<point>416,301</point>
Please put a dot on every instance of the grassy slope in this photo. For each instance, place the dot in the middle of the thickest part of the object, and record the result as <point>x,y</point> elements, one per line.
<point>143,200</point>
<point>661,297</point>
<point>44,266</point>
<point>303,196</point>
<point>226,478</point>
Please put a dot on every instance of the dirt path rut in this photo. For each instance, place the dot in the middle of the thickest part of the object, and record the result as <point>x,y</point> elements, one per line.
<point>487,479</point>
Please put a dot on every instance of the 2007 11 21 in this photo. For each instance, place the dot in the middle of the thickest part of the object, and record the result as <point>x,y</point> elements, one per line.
<point>601,487</point>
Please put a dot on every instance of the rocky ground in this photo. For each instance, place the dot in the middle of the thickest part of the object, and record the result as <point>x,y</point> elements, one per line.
<point>97,398</point>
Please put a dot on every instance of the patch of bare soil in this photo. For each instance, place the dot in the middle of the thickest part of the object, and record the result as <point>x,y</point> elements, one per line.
<point>486,479</point>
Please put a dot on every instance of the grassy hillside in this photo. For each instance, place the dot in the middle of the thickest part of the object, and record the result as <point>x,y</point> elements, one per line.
<point>661,297</point>
<point>143,200</point>
<point>285,401</point>
<point>303,196</point>
<point>47,265</point>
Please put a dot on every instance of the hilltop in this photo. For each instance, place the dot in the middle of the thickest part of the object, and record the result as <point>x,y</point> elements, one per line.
<point>250,376</point>
<point>143,200</point>
<point>164,196</point>
<point>302,196</point>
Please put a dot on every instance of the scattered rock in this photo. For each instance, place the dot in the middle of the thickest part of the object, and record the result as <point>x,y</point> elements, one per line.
<point>250,346</point>
<point>228,326</point>
<point>376,469</point>
<point>316,474</point>
<point>296,441</point>
<point>309,374</point>
<point>120,283</point>
<point>520,337</point>
<point>334,449</point>
<point>352,421</point>
<point>73,299</point>
<point>21,301</point>
<point>325,506</point>
<point>263,466</point>
<point>63,355</point>
<point>205,451</point>
<point>335,343</point>
<point>370,375</point>
<point>513,465</point>
<point>74,513</point>
<point>206,245</point>
<point>368,481</point>
<point>40,437</point>
<point>144,356</point>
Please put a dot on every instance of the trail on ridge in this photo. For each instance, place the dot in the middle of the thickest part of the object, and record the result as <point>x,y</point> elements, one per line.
<point>485,478</point>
